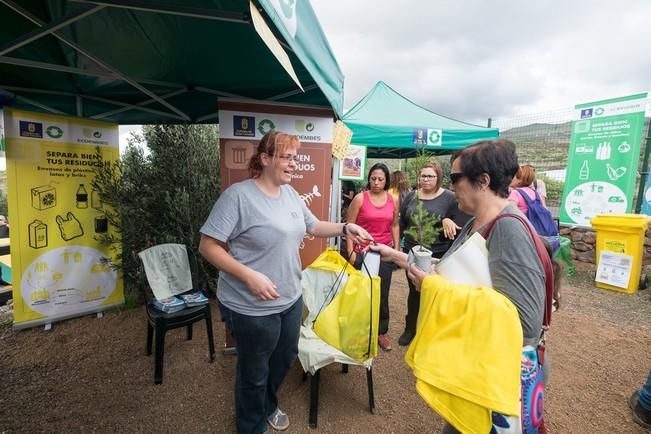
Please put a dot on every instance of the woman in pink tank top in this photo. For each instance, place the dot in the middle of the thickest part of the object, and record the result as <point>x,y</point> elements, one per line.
<point>376,211</point>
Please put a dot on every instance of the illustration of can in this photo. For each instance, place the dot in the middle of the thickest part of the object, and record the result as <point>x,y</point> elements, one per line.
<point>37,234</point>
<point>101,224</point>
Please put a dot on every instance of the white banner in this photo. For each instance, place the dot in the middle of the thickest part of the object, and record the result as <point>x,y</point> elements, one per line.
<point>252,126</point>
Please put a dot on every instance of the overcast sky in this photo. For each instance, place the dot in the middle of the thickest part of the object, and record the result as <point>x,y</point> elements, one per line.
<point>474,59</point>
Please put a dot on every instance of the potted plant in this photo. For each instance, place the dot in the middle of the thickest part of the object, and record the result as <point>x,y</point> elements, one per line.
<point>424,230</point>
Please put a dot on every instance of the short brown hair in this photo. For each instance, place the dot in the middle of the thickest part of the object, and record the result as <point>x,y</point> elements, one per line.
<point>271,143</point>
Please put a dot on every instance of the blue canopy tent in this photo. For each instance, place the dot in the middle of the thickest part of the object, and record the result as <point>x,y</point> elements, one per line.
<point>392,126</point>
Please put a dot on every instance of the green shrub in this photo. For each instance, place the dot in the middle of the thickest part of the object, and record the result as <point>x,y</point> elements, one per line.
<point>161,191</point>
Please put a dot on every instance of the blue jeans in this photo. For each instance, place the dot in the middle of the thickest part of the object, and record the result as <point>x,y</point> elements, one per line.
<point>266,348</point>
<point>645,394</point>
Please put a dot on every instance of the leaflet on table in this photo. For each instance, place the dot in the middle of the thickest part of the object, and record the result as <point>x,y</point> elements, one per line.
<point>468,264</point>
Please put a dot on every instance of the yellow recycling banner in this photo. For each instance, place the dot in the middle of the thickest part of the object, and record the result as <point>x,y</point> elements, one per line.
<point>58,266</point>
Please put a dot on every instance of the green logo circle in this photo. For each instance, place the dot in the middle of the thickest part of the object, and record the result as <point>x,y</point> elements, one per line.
<point>265,126</point>
<point>54,131</point>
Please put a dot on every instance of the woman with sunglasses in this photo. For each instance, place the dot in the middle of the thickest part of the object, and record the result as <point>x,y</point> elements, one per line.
<point>376,211</point>
<point>253,236</point>
<point>480,178</point>
<point>439,202</point>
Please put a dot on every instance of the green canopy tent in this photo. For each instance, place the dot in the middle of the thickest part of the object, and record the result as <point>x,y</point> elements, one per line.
<point>165,61</point>
<point>391,126</point>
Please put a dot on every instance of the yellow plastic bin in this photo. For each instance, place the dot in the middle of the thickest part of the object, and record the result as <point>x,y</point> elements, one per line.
<point>622,234</point>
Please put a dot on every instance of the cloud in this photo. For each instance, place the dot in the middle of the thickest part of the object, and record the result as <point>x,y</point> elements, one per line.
<point>125,133</point>
<point>473,59</point>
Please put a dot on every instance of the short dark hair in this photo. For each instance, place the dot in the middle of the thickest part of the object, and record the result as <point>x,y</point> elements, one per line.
<point>387,175</point>
<point>496,158</point>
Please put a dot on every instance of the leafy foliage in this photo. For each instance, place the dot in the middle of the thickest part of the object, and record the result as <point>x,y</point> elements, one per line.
<point>424,227</point>
<point>4,208</point>
<point>554,189</point>
<point>161,191</point>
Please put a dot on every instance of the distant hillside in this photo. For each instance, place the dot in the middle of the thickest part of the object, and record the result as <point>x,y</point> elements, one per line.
<point>549,132</point>
<point>540,144</point>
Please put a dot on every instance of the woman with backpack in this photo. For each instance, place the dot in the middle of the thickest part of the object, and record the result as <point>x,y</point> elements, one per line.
<point>523,182</point>
<point>532,205</point>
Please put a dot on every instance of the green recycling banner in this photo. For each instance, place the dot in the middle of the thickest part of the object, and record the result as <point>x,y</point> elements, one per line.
<point>603,157</point>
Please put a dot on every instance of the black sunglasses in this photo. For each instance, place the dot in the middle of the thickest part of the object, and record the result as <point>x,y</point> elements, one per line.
<point>456,177</point>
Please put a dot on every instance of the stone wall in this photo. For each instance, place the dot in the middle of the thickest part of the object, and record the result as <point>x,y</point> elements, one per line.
<point>584,240</point>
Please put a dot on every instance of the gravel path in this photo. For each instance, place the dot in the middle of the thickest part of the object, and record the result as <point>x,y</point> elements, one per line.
<point>92,375</point>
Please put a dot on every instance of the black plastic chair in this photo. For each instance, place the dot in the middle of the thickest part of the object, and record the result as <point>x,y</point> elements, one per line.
<point>314,392</point>
<point>159,322</point>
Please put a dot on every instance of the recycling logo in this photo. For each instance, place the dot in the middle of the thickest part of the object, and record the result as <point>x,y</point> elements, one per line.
<point>434,137</point>
<point>54,131</point>
<point>265,126</point>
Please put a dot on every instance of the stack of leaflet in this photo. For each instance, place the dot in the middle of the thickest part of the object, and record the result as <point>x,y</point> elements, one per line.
<point>169,304</point>
<point>194,298</point>
<point>468,264</point>
<point>175,304</point>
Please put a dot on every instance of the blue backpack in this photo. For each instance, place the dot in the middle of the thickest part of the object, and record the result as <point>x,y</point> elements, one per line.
<point>539,216</point>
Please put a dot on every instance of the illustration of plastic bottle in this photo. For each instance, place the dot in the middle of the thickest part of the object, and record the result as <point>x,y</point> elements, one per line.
<point>82,197</point>
<point>585,171</point>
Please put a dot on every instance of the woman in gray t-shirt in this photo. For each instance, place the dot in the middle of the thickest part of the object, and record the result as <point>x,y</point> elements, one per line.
<point>253,236</point>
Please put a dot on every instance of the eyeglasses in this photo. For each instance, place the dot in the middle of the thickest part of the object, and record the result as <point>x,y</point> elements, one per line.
<point>456,177</point>
<point>428,176</point>
<point>289,157</point>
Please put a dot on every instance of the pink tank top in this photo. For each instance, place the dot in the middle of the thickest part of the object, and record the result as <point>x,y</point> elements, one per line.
<point>377,220</point>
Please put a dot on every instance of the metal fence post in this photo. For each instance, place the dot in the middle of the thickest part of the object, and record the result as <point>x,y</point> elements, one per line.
<point>644,173</point>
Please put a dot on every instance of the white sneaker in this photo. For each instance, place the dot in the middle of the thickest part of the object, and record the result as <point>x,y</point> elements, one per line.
<point>278,420</point>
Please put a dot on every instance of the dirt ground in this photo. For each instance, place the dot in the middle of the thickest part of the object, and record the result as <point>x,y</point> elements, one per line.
<point>92,375</point>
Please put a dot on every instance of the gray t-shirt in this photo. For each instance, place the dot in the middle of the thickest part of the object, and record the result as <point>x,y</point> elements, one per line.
<point>516,270</point>
<point>263,233</point>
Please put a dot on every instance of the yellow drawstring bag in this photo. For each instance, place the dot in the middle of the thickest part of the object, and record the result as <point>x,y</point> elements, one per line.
<point>344,305</point>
